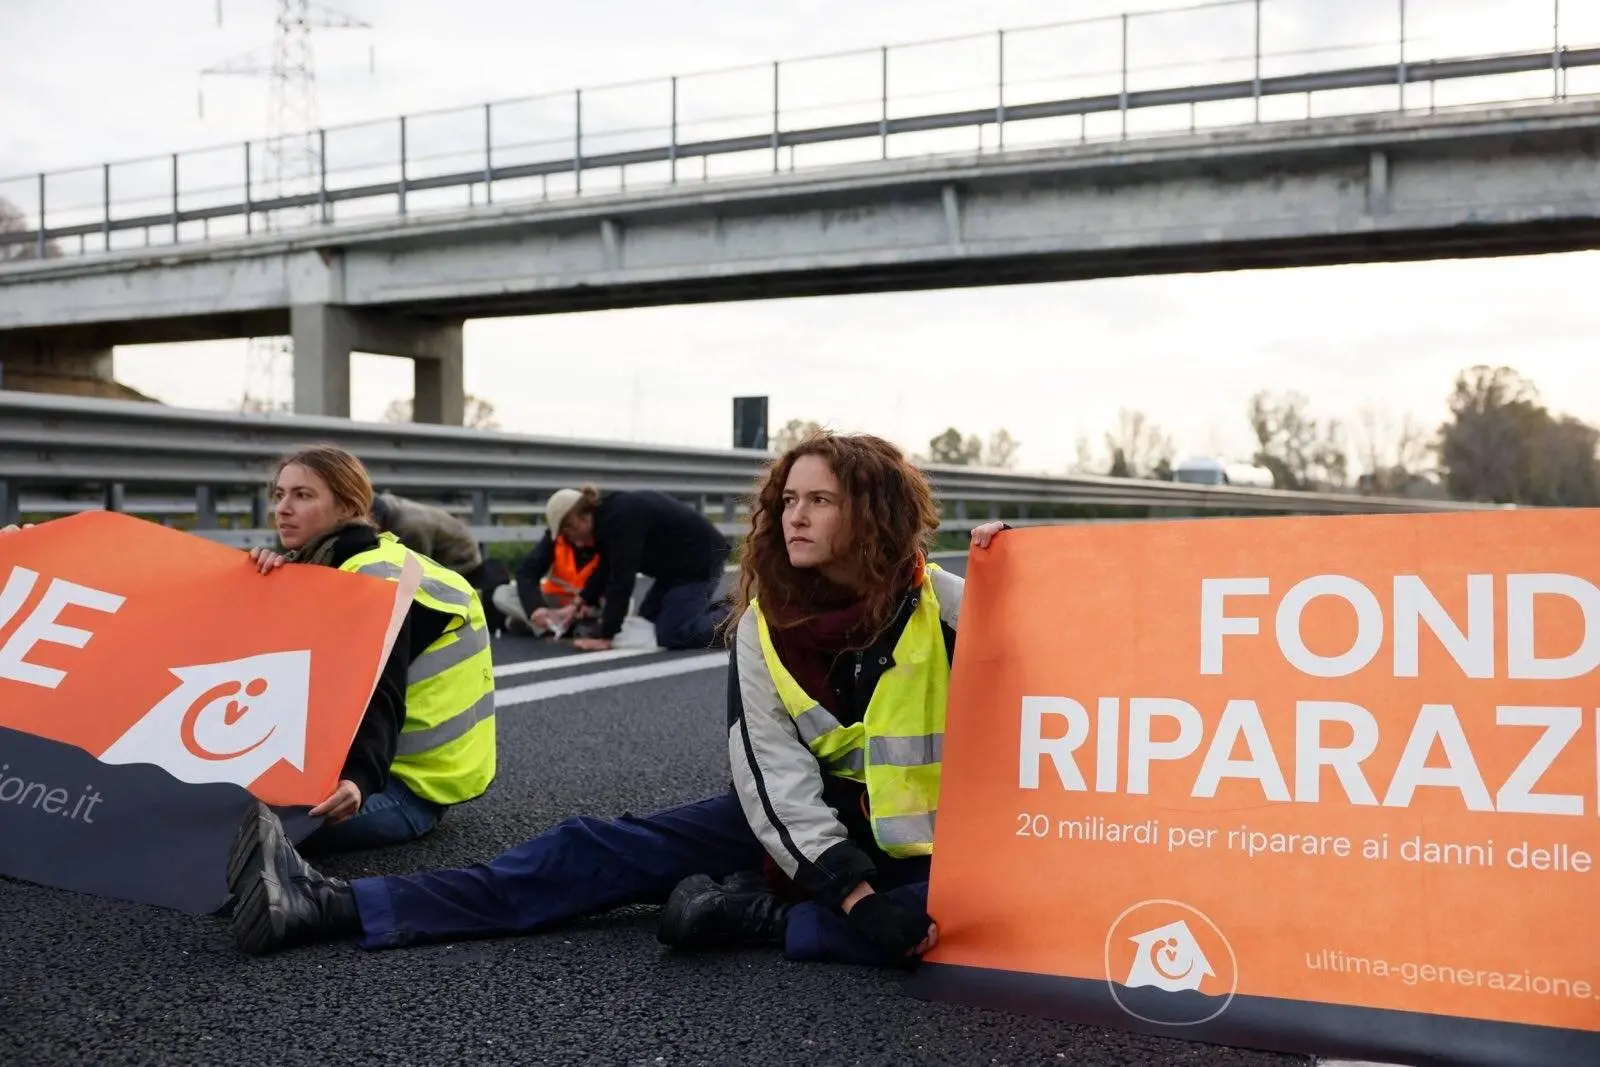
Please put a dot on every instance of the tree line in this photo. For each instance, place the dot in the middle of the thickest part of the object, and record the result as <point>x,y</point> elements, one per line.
<point>1499,444</point>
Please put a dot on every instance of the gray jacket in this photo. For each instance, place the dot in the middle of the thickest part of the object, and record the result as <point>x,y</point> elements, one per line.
<point>778,780</point>
<point>428,529</point>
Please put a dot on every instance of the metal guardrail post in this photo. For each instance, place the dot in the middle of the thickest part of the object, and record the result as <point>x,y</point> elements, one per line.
<point>322,174</point>
<point>39,241</point>
<point>249,213</point>
<point>402,164</point>
<point>175,198</point>
<point>115,497</point>
<point>775,145</point>
<point>480,507</point>
<point>1556,91</point>
<point>1402,66</point>
<point>1000,102</point>
<point>105,193</point>
<point>672,147</point>
<point>205,507</point>
<point>1256,82</point>
<point>577,140</point>
<point>8,503</point>
<point>883,87</point>
<point>488,153</point>
<point>1123,99</point>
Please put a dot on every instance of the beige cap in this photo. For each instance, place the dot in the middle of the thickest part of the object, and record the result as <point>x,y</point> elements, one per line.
<point>556,508</point>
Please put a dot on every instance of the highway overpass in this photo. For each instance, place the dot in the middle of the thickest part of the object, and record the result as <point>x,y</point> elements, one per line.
<point>1392,185</point>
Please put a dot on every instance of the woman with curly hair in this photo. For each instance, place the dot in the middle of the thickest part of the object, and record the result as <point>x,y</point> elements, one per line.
<point>843,638</point>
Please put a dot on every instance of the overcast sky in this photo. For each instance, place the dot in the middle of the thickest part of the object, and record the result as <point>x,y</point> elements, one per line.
<point>89,80</point>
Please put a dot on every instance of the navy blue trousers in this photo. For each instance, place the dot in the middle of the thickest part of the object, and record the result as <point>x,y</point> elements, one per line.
<point>588,865</point>
<point>685,615</point>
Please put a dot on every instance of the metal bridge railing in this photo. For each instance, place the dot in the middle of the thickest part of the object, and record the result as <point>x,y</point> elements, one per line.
<point>1114,77</point>
<point>208,471</point>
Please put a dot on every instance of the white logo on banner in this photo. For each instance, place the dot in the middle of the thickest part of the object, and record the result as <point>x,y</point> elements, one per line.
<point>225,722</point>
<point>1169,958</point>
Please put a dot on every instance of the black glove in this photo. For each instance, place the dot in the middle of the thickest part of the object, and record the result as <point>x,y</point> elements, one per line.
<point>893,929</point>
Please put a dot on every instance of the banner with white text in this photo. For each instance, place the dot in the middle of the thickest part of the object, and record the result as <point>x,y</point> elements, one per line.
<point>152,682</point>
<point>1326,785</point>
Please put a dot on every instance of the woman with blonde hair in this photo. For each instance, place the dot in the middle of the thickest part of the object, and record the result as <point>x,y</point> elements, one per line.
<point>836,704</point>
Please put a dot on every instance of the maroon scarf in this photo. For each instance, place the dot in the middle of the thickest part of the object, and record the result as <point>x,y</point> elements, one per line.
<point>810,649</point>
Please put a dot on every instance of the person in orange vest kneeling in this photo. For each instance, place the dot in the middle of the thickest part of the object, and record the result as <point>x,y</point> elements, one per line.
<point>542,600</point>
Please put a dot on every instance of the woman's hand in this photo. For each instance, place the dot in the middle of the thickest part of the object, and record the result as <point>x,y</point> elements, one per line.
<point>15,529</point>
<point>591,644</point>
<point>982,535</point>
<point>344,802</point>
<point>266,560</point>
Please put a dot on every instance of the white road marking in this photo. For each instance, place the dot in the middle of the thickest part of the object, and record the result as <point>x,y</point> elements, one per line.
<point>555,663</point>
<point>559,687</point>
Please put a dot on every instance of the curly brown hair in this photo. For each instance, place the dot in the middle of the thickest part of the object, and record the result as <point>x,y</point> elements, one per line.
<point>890,519</point>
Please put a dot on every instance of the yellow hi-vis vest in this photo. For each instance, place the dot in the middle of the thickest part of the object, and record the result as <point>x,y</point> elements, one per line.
<point>897,748</point>
<point>446,750</point>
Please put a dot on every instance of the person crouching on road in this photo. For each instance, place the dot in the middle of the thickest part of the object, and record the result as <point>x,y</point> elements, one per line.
<point>838,590</point>
<point>432,531</point>
<point>547,584</point>
<point>644,532</point>
<point>427,740</point>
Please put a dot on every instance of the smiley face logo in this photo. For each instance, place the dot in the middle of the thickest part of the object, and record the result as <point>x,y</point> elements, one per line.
<point>231,713</point>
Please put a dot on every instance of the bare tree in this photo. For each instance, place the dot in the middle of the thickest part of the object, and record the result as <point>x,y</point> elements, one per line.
<point>1138,447</point>
<point>792,433</point>
<point>478,415</point>
<point>953,449</point>
<point>12,220</point>
<point>1300,451</point>
<point>1001,450</point>
<point>1392,451</point>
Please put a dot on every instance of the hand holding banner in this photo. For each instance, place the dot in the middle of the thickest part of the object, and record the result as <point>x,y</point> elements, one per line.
<point>1311,784</point>
<point>165,668</point>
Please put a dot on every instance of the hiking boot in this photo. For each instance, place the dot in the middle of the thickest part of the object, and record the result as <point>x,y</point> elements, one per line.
<point>741,911</point>
<point>279,899</point>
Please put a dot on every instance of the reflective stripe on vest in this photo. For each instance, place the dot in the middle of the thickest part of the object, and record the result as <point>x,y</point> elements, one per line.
<point>897,750</point>
<point>446,748</point>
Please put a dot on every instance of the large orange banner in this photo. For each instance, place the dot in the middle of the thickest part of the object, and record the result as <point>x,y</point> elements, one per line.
<point>1314,784</point>
<point>150,680</point>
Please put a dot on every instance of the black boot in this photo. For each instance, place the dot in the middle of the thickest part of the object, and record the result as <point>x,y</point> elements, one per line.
<point>279,899</point>
<point>741,911</point>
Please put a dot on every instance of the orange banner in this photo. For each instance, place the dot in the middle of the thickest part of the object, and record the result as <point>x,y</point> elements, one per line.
<point>144,645</point>
<point>1346,761</point>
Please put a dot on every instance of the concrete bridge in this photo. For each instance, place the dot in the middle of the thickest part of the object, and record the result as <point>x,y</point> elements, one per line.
<point>1395,186</point>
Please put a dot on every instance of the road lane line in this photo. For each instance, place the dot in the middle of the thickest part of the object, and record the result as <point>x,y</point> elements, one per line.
<point>556,663</point>
<point>559,687</point>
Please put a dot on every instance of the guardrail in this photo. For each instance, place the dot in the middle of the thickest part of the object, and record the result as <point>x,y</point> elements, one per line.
<point>535,147</point>
<point>207,471</point>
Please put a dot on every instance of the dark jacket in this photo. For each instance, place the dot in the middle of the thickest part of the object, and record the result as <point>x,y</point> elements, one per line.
<point>536,564</point>
<point>648,532</point>
<point>812,824</point>
<point>373,749</point>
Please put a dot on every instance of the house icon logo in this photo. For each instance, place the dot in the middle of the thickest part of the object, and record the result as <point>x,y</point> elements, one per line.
<point>1167,963</point>
<point>1169,958</point>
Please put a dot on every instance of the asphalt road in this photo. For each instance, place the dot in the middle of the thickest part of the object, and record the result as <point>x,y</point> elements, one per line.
<point>91,981</point>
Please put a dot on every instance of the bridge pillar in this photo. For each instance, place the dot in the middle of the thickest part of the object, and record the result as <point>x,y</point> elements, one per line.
<point>326,334</point>
<point>439,381</point>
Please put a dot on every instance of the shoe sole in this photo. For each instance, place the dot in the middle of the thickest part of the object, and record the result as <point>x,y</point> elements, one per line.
<point>669,929</point>
<point>258,926</point>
